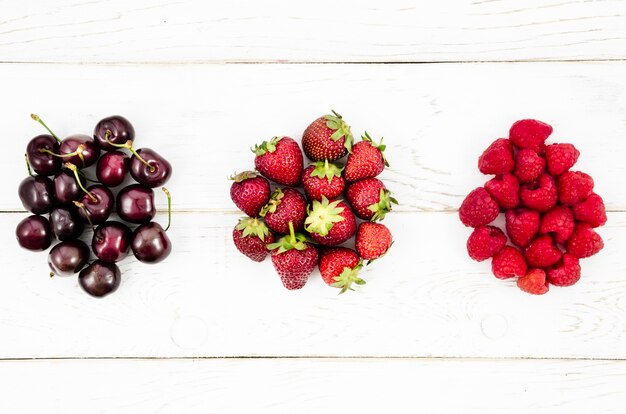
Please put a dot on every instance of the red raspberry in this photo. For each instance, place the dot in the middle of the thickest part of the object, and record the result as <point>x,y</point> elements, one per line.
<point>528,165</point>
<point>478,208</point>
<point>484,242</point>
<point>540,195</point>
<point>508,263</point>
<point>561,157</point>
<point>505,190</point>
<point>542,252</point>
<point>585,242</point>
<point>574,187</point>
<point>566,272</point>
<point>558,222</point>
<point>522,225</point>
<point>530,133</point>
<point>591,211</point>
<point>534,282</point>
<point>497,158</point>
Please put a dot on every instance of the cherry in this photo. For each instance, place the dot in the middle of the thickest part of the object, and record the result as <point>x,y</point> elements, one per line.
<point>66,189</point>
<point>112,168</point>
<point>149,168</point>
<point>37,194</point>
<point>68,257</point>
<point>43,163</point>
<point>111,241</point>
<point>150,243</point>
<point>79,150</point>
<point>135,204</point>
<point>115,129</point>
<point>33,233</point>
<point>100,278</point>
<point>65,224</point>
<point>96,204</point>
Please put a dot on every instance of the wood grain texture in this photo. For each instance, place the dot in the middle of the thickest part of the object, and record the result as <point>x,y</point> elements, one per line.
<point>279,31</point>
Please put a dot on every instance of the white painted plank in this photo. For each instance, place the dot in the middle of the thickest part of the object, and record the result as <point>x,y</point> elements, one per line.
<point>279,30</point>
<point>436,119</point>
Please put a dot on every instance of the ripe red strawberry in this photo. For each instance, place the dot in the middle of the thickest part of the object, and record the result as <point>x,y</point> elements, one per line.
<point>542,252</point>
<point>497,158</point>
<point>566,272</point>
<point>251,237</point>
<point>540,195</point>
<point>370,199</point>
<point>530,133</point>
<point>322,179</point>
<point>339,267</point>
<point>558,222</point>
<point>591,211</point>
<point>330,223</point>
<point>250,192</point>
<point>280,160</point>
<point>327,138</point>
<point>285,206</point>
<point>534,282</point>
<point>505,190</point>
<point>561,157</point>
<point>522,225</point>
<point>574,187</point>
<point>294,259</point>
<point>528,165</point>
<point>372,240</point>
<point>366,160</point>
<point>585,242</point>
<point>485,242</point>
<point>508,262</point>
<point>478,208</point>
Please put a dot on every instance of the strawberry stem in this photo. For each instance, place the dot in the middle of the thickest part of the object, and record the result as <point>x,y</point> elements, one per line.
<point>36,118</point>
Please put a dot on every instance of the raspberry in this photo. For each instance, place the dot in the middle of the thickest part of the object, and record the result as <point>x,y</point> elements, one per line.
<point>566,272</point>
<point>505,190</point>
<point>559,222</point>
<point>530,133</point>
<point>574,187</point>
<point>497,158</point>
<point>542,252</point>
<point>534,282</point>
<point>508,263</point>
<point>478,208</point>
<point>561,157</point>
<point>585,242</point>
<point>484,242</point>
<point>528,165</point>
<point>540,195</point>
<point>591,211</point>
<point>522,225</point>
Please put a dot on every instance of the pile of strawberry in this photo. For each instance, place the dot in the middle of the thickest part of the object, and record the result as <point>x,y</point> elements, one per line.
<point>550,211</point>
<point>304,232</point>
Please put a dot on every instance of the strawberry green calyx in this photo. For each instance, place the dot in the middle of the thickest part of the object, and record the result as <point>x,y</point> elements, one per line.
<point>380,146</point>
<point>243,176</point>
<point>325,169</point>
<point>253,227</point>
<point>322,216</point>
<point>348,277</point>
<point>266,146</point>
<point>337,124</point>
<point>291,241</point>
<point>275,200</point>
<point>383,206</point>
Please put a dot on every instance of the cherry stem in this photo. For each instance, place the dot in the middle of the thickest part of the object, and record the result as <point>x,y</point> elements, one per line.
<point>28,165</point>
<point>36,118</point>
<point>169,207</point>
<point>129,146</point>
<point>79,152</point>
<point>52,274</point>
<point>82,174</point>
<point>72,167</point>
<point>82,207</point>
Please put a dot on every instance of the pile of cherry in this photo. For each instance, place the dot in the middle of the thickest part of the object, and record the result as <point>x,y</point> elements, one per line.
<point>550,211</point>
<point>70,203</point>
<point>304,232</point>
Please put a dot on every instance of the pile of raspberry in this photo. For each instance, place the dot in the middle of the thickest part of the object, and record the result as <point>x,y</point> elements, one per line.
<point>550,211</point>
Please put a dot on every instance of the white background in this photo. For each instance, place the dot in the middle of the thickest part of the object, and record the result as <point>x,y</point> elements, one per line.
<point>208,331</point>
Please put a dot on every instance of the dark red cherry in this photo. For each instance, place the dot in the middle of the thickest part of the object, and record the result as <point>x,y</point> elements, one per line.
<point>111,241</point>
<point>100,278</point>
<point>119,130</point>
<point>43,163</point>
<point>79,143</point>
<point>98,204</point>
<point>135,204</point>
<point>112,168</point>
<point>150,243</point>
<point>33,233</point>
<point>68,257</point>
<point>65,223</point>
<point>37,194</point>
<point>66,189</point>
<point>149,168</point>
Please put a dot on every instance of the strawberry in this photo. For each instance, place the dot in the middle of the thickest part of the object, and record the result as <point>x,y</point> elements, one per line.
<point>330,223</point>
<point>485,242</point>
<point>508,263</point>
<point>530,133</point>
<point>504,189</point>
<point>566,272</point>
<point>327,138</point>
<point>561,157</point>
<point>542,252</point>
<point>497,158</point>
<point>280,160</point>
<point>574,187</point>
<point>591,211</point>
<point>285,206</point>
<point>370,199</point>
<point>528,165</point>
<point>294,258</point>
<point>533,282</point>
<point>339,267</point>
<point>372,240</point>
<point>478,208</point>
<point>323,179</point>
<point>250,192</point>
<point>366,160</point>
<point>585,242</point>
<point>522,225</point>
<point>558,222</point>
<point>251,237</point>
<point>540,195</point>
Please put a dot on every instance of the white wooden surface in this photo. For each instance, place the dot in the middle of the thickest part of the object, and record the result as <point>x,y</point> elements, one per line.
<point>447,336</point>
